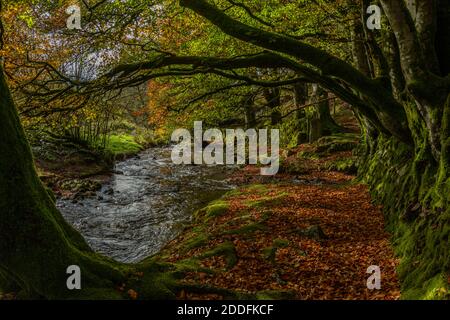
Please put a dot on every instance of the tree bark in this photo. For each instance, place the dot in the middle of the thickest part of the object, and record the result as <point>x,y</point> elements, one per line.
<point>250,114</point>
<point>300,99</point>
<point>273,100</point>
<point>327,123</point>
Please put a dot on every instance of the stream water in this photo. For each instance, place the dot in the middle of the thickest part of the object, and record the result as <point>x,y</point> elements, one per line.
<point>146,204</point>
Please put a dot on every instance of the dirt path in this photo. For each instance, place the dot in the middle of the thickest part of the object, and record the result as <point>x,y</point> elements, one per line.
<point>310,236</point>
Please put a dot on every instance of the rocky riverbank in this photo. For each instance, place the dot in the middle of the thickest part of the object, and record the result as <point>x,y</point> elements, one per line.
<point>74,172</point>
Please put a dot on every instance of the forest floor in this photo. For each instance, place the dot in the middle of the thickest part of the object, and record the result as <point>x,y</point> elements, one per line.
<point>311,232</point>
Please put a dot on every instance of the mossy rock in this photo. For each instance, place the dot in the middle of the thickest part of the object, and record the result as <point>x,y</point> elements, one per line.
<point>267,201</point>
<point>79,185</point>
<point>338,142</point>
<point>189,265</point>
<point>159,281</point>
<point>253,189</point>
<point>247,229</point>
<point>269,253</point>
<point>122,145</point>
<point>198,240</point>
<point>347,165</point>
<point>292,168</point>
<point>251,227</point>
<point>227,250</point>
<point>313,232</point>
<point>280,243</point>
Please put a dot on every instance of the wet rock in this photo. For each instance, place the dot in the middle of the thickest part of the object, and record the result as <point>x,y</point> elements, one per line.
<point>80,185</point>
<point>90,194</point>
<point>109,192</point>
<point>314,232</point>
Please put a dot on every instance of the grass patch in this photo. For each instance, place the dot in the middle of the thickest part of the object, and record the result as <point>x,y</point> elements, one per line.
<point>214,209</point>
<point>122,145</point>
<point>277,199</point>
<point>242,191</point>
<point>196,241</point>
<point>251,227</point>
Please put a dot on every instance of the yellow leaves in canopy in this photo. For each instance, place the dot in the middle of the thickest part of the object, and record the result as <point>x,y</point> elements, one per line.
<point>158,104</point>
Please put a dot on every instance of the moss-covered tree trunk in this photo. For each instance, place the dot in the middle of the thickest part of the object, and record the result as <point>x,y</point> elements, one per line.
<point>250,112</point>
<point>273,99</point>
<point>328,125</point>
<point>301,125</point>
<point>36,244</point>
<point>414,189</point>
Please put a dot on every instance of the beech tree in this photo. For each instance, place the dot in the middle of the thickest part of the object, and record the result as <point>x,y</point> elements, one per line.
<point>398,85</point>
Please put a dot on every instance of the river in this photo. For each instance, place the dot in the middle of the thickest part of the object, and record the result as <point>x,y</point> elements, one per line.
<point>147,203</point>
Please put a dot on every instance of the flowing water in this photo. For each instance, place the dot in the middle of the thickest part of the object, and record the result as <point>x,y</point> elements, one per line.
<point>146,204</point>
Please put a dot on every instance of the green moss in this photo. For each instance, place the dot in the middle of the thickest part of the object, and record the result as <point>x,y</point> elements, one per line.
<point>198,240</point>
<point>417,213</point>
<point>275,295</point>
<point>159,281</point>
<point>247,229</point>
<point>214,209</point>
<point>250,189</point>
<point>347,165</point>
<point>308,155</point>
<point>337,142</point>
<point>250,227</point>
<point>227,250</point>
<point>280,243</point>
<point>267,201</point>
<point>189,265</point>
<point>436,288</point>
<point>122,145</point>
<point>51,194</point>
<point>269,253</point>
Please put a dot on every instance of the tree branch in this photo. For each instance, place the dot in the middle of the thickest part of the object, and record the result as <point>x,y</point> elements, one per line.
<point>389,110</point>
<point>250,13</point>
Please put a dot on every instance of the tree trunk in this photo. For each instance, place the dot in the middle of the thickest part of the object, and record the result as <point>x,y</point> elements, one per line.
<point>273,99</point>
<point>300,99</point>
<point>329,126</point>
<point>250,114</point>
<point>315,129</point>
